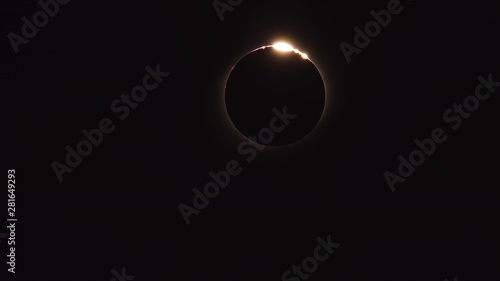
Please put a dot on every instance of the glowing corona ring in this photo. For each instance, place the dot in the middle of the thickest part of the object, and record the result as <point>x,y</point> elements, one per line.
<point>277,75</point>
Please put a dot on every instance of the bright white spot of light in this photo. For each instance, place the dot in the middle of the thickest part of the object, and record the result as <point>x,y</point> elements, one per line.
<point>283,47</point>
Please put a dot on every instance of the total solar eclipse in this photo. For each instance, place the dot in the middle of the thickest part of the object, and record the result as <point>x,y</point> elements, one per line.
<point>267,81</point>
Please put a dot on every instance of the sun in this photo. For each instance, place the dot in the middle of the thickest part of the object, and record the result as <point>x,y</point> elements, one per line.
<point>285,47</point>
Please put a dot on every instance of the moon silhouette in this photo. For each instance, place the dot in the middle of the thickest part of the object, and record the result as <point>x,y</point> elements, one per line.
<point>267,81</point>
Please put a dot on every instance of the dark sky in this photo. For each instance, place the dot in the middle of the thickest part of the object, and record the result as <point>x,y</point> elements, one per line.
<point>119,207</point>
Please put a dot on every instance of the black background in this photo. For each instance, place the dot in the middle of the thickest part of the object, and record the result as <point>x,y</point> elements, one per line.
<point>119,208</point>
